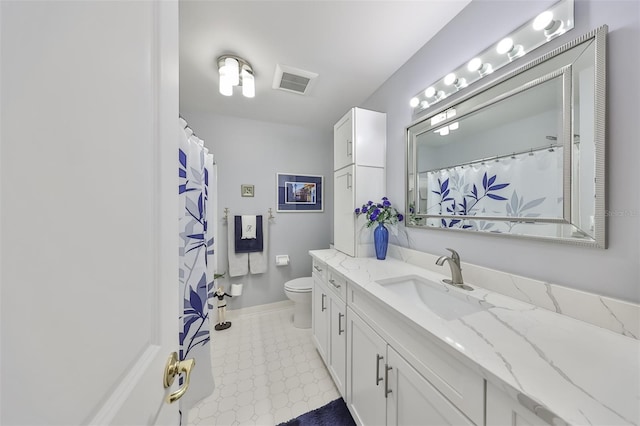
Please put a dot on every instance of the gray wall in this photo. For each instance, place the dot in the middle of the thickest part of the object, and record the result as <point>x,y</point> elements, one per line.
<point>252,152</point>
<point>613,272</point>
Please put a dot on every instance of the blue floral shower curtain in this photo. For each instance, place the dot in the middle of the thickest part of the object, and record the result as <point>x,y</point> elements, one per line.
<point>527,185</point>
<point>197,186</point>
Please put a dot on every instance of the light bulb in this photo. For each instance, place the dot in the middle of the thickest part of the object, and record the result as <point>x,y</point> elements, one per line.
<point>543,20</point>
<point>226,88</point>
<point>504,46</point>
<point>486,69</point>
<point>482,68</point>
<point>414,102</point>
<point>515,52</point>
<point>248,84</point>
<point>430,91</point>
<point>450,79</point>
<point>232,70</point>
<point>474,65</point>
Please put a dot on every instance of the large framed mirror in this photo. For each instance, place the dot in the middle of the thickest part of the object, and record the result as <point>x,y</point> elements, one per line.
<point>523,156</point>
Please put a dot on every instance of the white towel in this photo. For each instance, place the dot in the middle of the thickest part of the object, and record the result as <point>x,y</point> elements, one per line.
<point>248,227</point>
<point>258,260</point>
<point>238,262</point>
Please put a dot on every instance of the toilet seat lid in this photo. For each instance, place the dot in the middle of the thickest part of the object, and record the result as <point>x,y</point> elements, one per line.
<point>300,285</point>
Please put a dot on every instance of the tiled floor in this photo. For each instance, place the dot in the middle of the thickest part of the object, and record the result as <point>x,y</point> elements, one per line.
<point>266,372</point>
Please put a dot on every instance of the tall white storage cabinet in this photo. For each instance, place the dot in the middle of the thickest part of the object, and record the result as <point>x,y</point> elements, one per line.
<point>360,143</point>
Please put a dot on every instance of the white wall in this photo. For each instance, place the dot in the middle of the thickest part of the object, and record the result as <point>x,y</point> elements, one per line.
<point>614,272</point>
<point>252,152</point>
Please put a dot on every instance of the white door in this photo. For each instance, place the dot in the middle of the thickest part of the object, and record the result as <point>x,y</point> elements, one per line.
<point>88,202</point>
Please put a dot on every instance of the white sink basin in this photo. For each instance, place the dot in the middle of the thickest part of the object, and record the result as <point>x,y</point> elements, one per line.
<point>439,298</point>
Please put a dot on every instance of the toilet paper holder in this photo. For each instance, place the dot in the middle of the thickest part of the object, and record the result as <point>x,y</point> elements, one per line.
<point>236,289</point>
<point>282,260</point>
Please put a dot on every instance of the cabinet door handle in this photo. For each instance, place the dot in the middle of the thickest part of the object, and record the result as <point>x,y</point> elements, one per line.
<point>333,283</point>
<point>317,268</point>
<point>378,378</point>
<point>323,297</point>
<point>349,181</point>
<point>349,151</point>
<point>387,391</point>
<point>340,330</point>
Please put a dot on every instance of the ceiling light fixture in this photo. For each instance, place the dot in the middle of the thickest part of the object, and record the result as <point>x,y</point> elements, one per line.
<point>235,71</point>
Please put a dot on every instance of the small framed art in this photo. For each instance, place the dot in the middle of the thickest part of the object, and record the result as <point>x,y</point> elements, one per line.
<point>299,193</point>
<point>246,190</point>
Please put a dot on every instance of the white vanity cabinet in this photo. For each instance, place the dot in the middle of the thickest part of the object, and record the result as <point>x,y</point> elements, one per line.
<point>383,388</point>
<point>329,322</point>
<point>425,359</point>
<point>359,175</point>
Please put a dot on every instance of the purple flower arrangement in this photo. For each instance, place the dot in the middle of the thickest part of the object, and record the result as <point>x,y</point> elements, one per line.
<point>382,212</point>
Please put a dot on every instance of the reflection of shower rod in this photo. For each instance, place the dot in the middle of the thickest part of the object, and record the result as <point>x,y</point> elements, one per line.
<point>497,158</point>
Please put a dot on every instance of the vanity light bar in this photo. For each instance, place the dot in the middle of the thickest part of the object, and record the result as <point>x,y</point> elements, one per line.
<point>548,25</point>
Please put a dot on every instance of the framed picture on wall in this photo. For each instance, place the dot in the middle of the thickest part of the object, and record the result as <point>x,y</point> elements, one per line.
<point>299,193</point>
<point>246,190</point>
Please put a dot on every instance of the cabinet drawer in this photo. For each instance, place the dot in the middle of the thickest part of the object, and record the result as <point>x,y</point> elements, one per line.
<point>319,270</point>
<point>337,284</point>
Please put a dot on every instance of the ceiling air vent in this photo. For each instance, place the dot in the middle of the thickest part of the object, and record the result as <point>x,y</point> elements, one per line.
<point>293,79</point>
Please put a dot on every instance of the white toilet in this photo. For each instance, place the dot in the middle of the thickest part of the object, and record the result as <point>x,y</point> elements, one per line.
<point>299,291</point>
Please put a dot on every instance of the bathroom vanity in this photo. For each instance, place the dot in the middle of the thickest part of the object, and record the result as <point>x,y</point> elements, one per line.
<point>406,349</point>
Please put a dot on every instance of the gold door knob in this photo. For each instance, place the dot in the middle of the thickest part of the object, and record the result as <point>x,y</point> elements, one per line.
<point>174,368</point>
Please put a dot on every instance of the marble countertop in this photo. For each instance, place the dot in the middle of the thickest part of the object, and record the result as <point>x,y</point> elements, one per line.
<point>581,373</point>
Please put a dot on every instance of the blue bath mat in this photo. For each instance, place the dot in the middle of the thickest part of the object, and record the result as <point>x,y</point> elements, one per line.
<point>334,413</point>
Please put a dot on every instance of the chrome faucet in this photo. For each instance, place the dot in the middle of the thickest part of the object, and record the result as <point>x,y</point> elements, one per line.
<point>456,270</point>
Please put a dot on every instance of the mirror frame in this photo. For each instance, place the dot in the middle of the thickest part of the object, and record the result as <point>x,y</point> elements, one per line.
<point>598,237</point>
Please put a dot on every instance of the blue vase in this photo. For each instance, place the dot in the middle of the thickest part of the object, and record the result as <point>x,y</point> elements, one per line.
<point>381,241</point>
